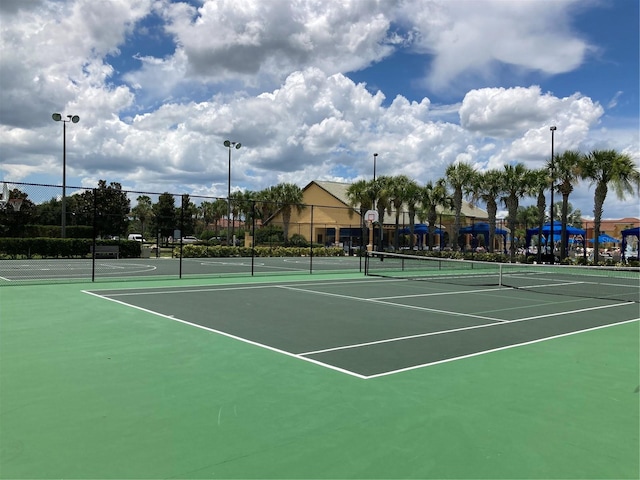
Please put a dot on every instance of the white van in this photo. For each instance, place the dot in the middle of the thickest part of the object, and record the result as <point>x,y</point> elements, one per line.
<point>136,237</point>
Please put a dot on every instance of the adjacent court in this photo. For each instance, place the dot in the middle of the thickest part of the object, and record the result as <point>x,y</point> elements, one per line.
<point>109,269</point>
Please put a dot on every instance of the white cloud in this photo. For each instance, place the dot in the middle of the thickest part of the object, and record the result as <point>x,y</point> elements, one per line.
<point>249,40</point>
<point>470,38</point>
<point>308,120</point>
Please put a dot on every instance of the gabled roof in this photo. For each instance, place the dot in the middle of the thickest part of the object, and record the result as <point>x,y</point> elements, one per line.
<point>335,189</point>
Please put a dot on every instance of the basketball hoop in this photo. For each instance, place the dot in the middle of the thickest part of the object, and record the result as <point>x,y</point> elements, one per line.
<point>371,216</point>
<point>15,203</point>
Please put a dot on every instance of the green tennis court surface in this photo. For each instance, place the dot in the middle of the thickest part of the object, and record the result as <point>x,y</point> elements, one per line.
<point>315,376</point>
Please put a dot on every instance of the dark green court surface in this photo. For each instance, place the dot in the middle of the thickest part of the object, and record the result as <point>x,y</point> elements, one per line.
<point>315,376</point>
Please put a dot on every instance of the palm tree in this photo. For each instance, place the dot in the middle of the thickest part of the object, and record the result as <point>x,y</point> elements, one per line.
<point>432,196</point>
<point>289,196</point>
<point>604,168</point>
<point>247,208</point>
<point>266,204</point>
<point>516,182</point>
<point>487,187</point>
<point>539,182</point>
<point>382,188</point>
<point>459,176</point>
<point>412,198</point>
<point>398,186</point>
<point>213,212</point>
<point>361,195</point>
<point>566,172</point>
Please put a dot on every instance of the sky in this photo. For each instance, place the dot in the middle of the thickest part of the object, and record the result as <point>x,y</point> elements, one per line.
<point>312,89</point>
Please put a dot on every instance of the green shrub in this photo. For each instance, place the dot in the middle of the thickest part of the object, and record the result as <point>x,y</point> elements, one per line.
<point>204,251</point>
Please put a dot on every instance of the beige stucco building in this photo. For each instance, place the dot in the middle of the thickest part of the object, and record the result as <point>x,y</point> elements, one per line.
<point>329,219</point>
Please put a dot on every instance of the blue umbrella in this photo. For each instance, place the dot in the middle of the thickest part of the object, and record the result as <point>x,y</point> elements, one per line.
<point>604,238</point>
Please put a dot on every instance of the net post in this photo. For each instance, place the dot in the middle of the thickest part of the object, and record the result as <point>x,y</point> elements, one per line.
<point>500,275</point>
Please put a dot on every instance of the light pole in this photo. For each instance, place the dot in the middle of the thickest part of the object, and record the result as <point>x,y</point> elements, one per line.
<point>229,145</point>
<point>553,173</point>
<point>373,202</point>
<point>73,119</point>
<point>375,156</point>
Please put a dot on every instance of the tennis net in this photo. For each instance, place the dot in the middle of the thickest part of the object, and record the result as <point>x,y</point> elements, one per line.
<point>620,284</point>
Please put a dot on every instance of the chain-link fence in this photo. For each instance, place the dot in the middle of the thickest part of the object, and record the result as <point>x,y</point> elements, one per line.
<point>53,233</point>
<point>50,232</point>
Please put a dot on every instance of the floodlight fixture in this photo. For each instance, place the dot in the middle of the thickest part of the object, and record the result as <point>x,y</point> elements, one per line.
<point>73,119</point>
<point>229,144</point>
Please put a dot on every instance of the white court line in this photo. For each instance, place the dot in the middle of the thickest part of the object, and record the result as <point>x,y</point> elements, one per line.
<point>229,335</point>
<point>230,286</point>
<point>506,347</point>
<point>473,327</point>
<point>444,293</point>
<point>399,305</point>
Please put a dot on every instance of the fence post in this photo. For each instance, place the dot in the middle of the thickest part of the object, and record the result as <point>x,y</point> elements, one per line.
<point>181,233</point>
<point>311,237</point>
<point>95,234</point>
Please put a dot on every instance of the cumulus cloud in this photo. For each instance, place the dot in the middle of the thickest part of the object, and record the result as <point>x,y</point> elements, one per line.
<point>273,75</point>
<point>471,38</point>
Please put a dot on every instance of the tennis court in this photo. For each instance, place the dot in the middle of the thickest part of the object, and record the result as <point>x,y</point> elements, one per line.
<point>317,376</point>
<point>66,269</point>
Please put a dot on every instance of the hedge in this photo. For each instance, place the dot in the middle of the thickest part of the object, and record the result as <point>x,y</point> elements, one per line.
<point>61,247</point>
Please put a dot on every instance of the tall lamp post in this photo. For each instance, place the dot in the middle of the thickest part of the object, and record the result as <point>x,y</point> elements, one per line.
<point>73,119</point>
<point>375,157</point>
<point>553,173</point>
<point>373,203</point>
<point>229,145</point>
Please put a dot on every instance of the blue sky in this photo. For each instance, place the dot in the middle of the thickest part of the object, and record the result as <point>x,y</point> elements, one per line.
<point>312,89</point>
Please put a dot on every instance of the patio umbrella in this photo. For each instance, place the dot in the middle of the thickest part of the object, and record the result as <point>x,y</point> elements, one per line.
<point>604,238</point>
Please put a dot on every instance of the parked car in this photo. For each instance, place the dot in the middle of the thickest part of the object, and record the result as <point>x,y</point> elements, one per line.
<point>136,237</point>
<point>190,239</point>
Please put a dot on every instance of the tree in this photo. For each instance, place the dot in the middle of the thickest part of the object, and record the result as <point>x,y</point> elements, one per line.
<point>49,212</point>
<point>604,169</point>
<point>187,213</point>
<point>12,221</point>
<point>459,176</point>
<point>247,208</point>
<point>566,173</point>
<point>516,180</point>
<point>412,200</point>
<point>539,181</point>
<point>487,187</point>
<point>289,196</point>
<point>361,195</point>
<point>213,212</point>
<point>164,215</point>
<point>382,189</point>
<point>110,204</point>
<point>242,206</point>
<point>398,195</point>
<point>143,211</point>
<point>432,196</point>
<point>266,204</point>
<point>574,217</point>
